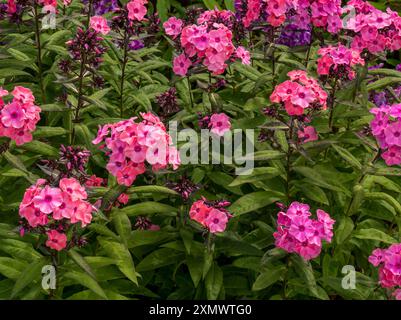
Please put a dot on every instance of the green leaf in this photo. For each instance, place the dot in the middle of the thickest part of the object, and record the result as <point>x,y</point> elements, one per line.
<point>344,230</point>
<point>11,268</point>
<point>8,72</point>
<point>160,258</point>
<point>163,7</point>
<point>122,257</point>
<point>247,71</point>
<point>53,107</point>
<point>386,197</point>
<point>264,155</point>
<point>18,164</point>
<point>253,201</point>
<point>281,139</point>
<point>305,271</point>
<point>40,148</point>
<point>102,230</point>
<point>224,180</point>
<point>386,183</point>
<point>214,282</point>
<point>87,281</point>
<point>187,239</point>
<point>80,261</point>
<point>152,189</point>
<point>41,132</point>
<point>268,277</point>
<point>314,193</point>
<point>385,72</point>
<point>229,5</point>
<point>357,198</point>
<point>348,156</point>
<point>195,267</point>
<point>146,237</point>
<point>148,208</point>
<point>31,274</point>
<point>374,234</point>
<point>254,175</point>
<point>211,4</point>
<point>19,249</point>
<point>316,178</point>
<point>18,54</point>
<point>382,83</point>
<point>122,224</point>
<point>386,171</point>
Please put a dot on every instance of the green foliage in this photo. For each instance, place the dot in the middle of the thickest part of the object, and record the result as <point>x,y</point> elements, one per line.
<point>340,173</point>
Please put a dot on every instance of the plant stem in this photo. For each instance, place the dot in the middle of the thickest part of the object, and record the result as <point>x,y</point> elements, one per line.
<point>190,92</point>
<point>39,48</point>
<point>309,51</point>
<point>88,18</point>
<point>288,166</point>
<point>80,94</point>
<point>333,94</point>
<point>81,80</point>
<point>124,64</point>
<point>273,56</point>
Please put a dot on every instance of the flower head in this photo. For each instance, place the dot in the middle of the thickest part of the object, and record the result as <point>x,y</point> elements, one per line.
<point>56,240</point>
<point>219,123</point>
<point>99,24</point>
<point>297,232</point>
<point>181,65</point>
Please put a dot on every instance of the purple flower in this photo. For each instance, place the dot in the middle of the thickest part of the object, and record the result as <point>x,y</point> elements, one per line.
<point>100,7</point>
<point>293,36</point>
<point>377,66</point>
<point>136,45</point>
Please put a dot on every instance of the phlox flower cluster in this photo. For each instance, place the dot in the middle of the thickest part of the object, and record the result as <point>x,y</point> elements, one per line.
<point>122,24</point>
<point>299,93</point>
<point>44,206</point>
<point>87,45</point>
<point>168,103</point>
<point>374,29</point>
<point>208,42</point>
<point>99,24</point>
<point>301,13</point>
<point>218,123</point>
<point>389,263</point>
<point>338,62</point>
<point>129,144</point>
<point>307,134</point>
<point>386,127</point>
<point>211,215</point>
<point>137,9</point>
<point>297,232</point>
<point>19,117</point>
